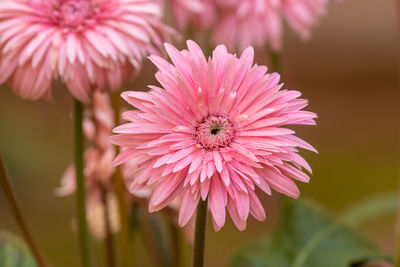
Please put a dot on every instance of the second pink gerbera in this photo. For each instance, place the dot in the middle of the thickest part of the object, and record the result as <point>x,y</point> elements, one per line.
<point>214,130</point>
<point>88,44</point>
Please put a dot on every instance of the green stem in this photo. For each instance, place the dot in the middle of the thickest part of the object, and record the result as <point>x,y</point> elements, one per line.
<point>134,224</point>
<point>80,186</point>
<point>275,62</point>
<point>159,235</point>
<point>276,66</point>
<point>16,210</point>
<point>151,239</point>
<point>200,234</point>
<point>109,242</point>
<point>120,191</point>
<point>176,242</point>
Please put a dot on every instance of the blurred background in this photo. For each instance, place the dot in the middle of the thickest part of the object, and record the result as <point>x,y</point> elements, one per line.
<point>348,71</point>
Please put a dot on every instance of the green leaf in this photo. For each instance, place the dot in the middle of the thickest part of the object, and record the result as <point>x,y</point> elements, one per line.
<point>306,237</point>
<point>14,252</point>
<point>370,208</point>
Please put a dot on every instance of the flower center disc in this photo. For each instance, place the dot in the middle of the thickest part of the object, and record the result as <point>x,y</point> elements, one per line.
<point>73,13</point>
<point>215,131</point>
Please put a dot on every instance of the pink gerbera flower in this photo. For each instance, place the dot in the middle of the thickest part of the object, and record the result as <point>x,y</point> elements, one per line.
<point>259,22</point>
<point>214,130</point>
<point>89,44</point>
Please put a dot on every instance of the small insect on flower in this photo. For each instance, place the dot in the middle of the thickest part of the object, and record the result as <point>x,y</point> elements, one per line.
<point>214,130</point>
<point>88,44</point>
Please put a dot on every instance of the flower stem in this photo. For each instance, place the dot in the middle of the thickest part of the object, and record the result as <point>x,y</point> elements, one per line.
<point>16,210</point>
<point>200,234</point>
<point>176,242</point>
<point>157,230</point>
<point>275,62</point>
<point>276,66</point>
<point>109,242</point>
<point>80,186</point>
<point>120,191</point>
<point>150,234</point>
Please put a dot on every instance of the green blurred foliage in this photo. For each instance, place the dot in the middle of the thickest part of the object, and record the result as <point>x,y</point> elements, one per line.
<point>14,252</point>
<point>306,237</point>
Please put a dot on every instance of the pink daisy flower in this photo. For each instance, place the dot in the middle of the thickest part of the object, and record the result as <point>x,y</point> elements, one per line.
<point>200,13</point>
<point>88,44</point>
<point>214,130</point>
<point>259,22</point>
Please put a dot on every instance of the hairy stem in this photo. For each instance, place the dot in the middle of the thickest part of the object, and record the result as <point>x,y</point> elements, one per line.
<point>200,234</point>
<point>16,210</point>
<point>80,186</point>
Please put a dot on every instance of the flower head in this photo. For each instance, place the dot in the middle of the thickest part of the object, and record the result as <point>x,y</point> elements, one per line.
<point>89,44</point>
<point>259,22</point>
<point>214,130</point>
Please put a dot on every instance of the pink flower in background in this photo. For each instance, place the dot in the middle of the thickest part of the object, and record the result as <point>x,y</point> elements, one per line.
<point>249,22</point>
<point>214,130</point>
<point>99,171</point>
<point>89,44</point>
<point>200,13</point>
<point>302,15</point>
<point>259,22</point>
